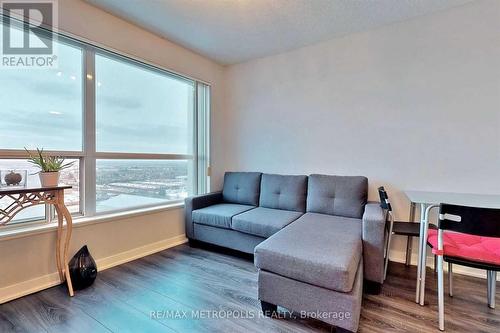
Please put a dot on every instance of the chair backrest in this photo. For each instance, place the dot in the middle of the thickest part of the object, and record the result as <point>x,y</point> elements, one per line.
<point>384,199</point>
<point>470,220</point>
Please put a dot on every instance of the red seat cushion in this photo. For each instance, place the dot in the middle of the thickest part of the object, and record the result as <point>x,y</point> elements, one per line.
<point>470,247</point>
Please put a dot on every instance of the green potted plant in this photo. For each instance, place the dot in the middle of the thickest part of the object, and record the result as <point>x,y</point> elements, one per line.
<point>50,167</point>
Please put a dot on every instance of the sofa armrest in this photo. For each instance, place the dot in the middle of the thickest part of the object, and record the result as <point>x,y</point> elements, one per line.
<point>198,202</point>
<point>374,221</point>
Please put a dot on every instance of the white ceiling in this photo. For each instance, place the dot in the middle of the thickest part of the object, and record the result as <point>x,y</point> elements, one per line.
<point>233,31</point>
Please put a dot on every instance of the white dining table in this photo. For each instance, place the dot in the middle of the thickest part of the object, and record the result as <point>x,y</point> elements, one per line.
<point>430,200</point>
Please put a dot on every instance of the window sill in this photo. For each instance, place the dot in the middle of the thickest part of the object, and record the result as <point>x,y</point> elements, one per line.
<point>35,229</point>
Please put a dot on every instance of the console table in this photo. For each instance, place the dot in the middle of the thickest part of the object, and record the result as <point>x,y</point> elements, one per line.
<point>22,198</point>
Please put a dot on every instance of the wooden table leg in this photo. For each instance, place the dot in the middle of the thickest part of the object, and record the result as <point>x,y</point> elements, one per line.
<point>63,212</point>
<point>69,229</point>
<point>60,222</point>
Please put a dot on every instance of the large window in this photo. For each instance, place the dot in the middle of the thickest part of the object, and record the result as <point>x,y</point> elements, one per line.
<point>137,134</point>
<point>43,107</point>
<point>141,110</point>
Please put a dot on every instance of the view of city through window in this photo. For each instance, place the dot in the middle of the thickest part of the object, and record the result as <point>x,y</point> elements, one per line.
<point>125,183</point>
<point>119,184</point>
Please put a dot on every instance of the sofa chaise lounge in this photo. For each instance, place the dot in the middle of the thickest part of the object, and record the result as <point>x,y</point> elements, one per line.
<point>314,239</point>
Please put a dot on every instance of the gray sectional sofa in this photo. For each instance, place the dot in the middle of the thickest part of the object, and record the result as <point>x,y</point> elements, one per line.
<point>314,239</point>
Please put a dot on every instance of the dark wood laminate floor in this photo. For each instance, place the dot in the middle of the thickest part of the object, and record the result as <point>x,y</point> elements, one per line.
<point>181,280</point>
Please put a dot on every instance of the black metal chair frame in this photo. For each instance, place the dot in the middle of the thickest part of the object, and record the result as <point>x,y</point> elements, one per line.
<point>405,228</point>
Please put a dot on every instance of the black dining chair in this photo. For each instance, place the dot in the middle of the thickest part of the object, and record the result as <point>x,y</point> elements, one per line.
<point>405,228</point>
<point>467,236</point>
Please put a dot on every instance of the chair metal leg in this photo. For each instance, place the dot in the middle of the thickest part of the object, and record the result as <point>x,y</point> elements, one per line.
<point>389,238</point>
<point>435,263</point>
<point>409,244</point>
<point>386,241</point>
<point>488,293</point>
<point>440,293</point>
<point>385,246</point>
<point>492,282</point>
<point>493,288</point>
<point>450,278</point>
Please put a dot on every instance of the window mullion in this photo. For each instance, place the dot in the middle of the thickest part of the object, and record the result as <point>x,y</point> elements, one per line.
<point>202,139</point>
<point>89,147</point>
<point>144,156</point>
<point>196,123</point>
<point>21,153</point>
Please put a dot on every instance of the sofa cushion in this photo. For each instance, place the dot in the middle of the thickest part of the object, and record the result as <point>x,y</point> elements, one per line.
<point>318,249</point>
<point>241,188</point>
<point>263,222</point>
<point>337,195</point>
<point>283,192</point>
<point>219,215</point>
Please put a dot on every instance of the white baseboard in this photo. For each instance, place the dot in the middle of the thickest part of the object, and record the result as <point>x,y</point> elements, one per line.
<point>139,252</point>
<point>50,280</point>
<point>400,256</point>
<point>28,287</point>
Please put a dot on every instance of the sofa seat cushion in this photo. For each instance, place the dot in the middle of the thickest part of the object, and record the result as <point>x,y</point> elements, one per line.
<point>219,215</point>
<point>263,222</point>
<point>318,249</point>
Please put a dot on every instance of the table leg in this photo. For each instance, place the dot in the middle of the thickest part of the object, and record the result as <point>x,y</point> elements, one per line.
<point>58,243</point>
<point>424,252</point>
<point>69,227</point>
<point>420,250</point>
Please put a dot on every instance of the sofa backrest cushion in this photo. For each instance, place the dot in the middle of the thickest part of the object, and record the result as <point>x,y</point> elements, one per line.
<point>283,192</point>
<point>241,188</point>
<point>337,195</point>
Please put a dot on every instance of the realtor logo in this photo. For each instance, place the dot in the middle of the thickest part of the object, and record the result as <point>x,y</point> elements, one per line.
<point>25,41</point>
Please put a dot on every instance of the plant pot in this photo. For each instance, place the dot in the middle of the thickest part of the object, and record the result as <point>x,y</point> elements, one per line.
<point>49,179</point>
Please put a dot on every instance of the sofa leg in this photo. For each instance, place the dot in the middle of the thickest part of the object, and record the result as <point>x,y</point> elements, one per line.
<point>193,242</point>
<point>341,330</point>
<point>372,288</point>
<point>268,309</point>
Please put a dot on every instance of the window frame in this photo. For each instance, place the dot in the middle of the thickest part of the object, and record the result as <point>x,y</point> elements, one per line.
<point>88,155</point>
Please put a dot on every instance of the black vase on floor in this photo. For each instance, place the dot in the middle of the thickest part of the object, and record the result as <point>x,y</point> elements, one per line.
<point>82,269</point>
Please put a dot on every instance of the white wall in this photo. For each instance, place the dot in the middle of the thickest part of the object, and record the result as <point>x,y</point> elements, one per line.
<point>28,262</point>
<point>414,105</point>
